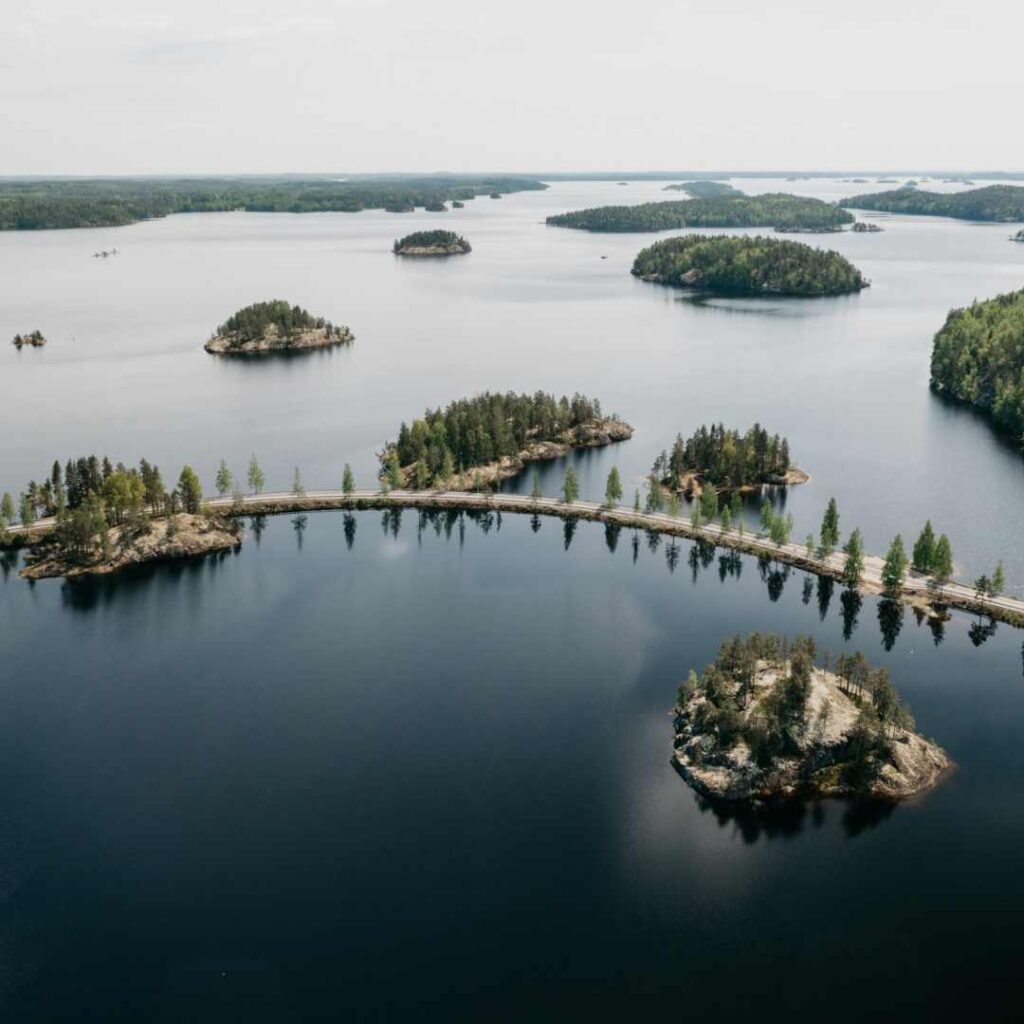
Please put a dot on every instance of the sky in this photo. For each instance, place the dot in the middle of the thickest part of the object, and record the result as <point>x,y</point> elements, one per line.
<point>234,86</point>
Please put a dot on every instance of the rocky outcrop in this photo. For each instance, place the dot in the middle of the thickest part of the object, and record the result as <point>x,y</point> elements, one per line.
<point>34,339</point>
<point>863,226</point>
<point>274,341</point>
<point>824,756</point>
<point>453,249</point>
<point>1019,237</point>
<point>153,540</point>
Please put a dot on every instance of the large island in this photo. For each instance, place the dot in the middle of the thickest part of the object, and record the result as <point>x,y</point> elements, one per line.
<point>1003,203</point>
<point>764,721</point>
<point>772,210</point>
<point>276,326</point>
<point>727,265</point>
<point>431,243</point>
<point>477,442</point>
<point>978,359</point>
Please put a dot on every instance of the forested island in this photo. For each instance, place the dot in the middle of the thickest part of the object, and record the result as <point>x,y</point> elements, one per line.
<point>431,243</point>
<point>726,460</point>
<point>991,203</point>
<point>771,718</point>
<point>34,339</point>
<point>1019,237</point>
<point>29,205</point>
<point>865,227</point>
<point>109,517</point>
<point>275,326</point>
<point>704,189</point>
<point>728,265</point>
<point>772,210</point>
<point>978,358</point>
<point>476,442</point>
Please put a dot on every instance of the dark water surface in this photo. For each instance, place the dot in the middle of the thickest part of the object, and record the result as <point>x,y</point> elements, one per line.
<point>427,777</point>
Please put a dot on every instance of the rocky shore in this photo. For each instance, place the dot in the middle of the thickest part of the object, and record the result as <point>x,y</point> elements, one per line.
<point>690,485</point>
<point>274,341</point>
<point>153,540</point>
<point>831,744</point>
<point>34,339</point>
<point>862,226</point>
<point>431,243</point>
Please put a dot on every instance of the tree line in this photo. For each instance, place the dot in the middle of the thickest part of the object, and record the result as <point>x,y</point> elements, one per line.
<point>724,458</point>
<point>477,431</point>
<point>29,205</point>
<point>252,322</point>
<point>747,266</point>
<point>991,203</point>
<point>430,238</point>
<point>771,210</point>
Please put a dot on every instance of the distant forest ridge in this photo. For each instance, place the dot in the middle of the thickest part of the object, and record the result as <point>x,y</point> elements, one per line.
<point>37,204</point>
<point>1000,203</point>
<point>719,175</point>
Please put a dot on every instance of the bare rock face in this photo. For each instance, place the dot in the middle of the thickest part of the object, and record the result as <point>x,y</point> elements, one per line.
<point>153,540</point>
<point>274,341</point>
<point>822,754</point>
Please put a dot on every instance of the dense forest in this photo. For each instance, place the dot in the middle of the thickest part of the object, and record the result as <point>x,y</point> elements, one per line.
<point>251,323</point>
<point>978,358</point>
<point>704,189</point>
<point>27,205</point>
<point>993,202</point>
<point>747,266</point>
<point>432,239</point>
<point>771,210</point>
<point>777,726</point>
<point>476,431</point>
<point>724,458</point>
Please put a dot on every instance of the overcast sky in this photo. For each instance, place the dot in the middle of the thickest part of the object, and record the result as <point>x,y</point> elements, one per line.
<point>139,86</point>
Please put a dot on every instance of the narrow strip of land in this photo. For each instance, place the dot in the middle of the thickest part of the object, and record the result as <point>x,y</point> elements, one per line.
<point>917,589</point>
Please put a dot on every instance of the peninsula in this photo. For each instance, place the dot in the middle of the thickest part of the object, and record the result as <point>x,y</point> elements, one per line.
<point>34,339</point>
<point>431,243</point>
<point>1003,203</point>
<point>727,265</point>
<point>771,210</point>
<point>726,460</point>
<point>704,189</point>
<point>978,359</point>
<point>477,442</point>
<point>765,721</point>
<point>275,326</point>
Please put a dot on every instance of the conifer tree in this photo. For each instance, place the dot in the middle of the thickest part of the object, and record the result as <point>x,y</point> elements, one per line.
<point>854,567</point>
<point>924,549</point>
<point>942,561</point>
<point>830,527</point>
<point>535,491</point>
<point>348,483</point>
<point>613,489</point>
<point>255,476</point>
<point>223,480</point>
<point>998,579</point>
<point>570,486</point>
<point>297,489</point>
<point>895,568</point>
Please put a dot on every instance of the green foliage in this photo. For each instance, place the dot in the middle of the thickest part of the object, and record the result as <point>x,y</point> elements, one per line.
<point>772,210</point>
<point>481,430</point>
<point>224,479</point>
<point>535,491</point>
<point>27,511</point>
<point>942,560</point>
<point>998,579</point>
<point>830,527</point>
<point>853,569</point>
<point>253,322</point>
<point>190,493</point>
<point>705,189</point>
<point>255,476</point>
<point>724,458</point>
<point>747,266</point>
<point>993,202</point>
<point>424,239</point>
<point>27,205</point>
<point>923,556</point>
<point>709,502</point>
<point>348,482</point>
<point>297,489</point>
<point>7,509</point>
<point>613,489</point>
<point>894,570</point>
<point>978,358</point>
<point>570,486</point>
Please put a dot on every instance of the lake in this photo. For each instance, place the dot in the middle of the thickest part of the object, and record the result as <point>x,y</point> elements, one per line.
<point>377,767</point>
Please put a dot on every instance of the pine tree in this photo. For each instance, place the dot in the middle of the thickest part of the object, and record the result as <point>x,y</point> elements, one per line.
<point>998,579</point>
<point>767,517</point>
<point>348,483</point>
<point>393,470</point>
<point>570,486</point>
<point>190,493</point>
<point>27,511</point>
<point>895,568</point>
<point>672,504</point>
<point>942,561</point>
<point>613,489</point>
<point>726,519</point>
<point>6,509</point>
<point>830,527</point>
<point>255,476</point>
<point>447,470</point>
<point>924,549</point>
<point>709,502</point>
<point>297,489</point>
<point>535,491</point>
<point>223,480</point>
<point>809,544</point>
<point>636,501</point>
<point>854,567</point>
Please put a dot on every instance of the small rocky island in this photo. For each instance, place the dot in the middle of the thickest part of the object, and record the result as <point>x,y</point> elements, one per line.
<point>33,339</point>
<point>765,721</point>
<point>861,227</point>
<point>431,243</point>
<point>276,326</point>
<point>730,265</point>
<point>167,538</point>
<point>1019,237</point>
<point>476,442</point>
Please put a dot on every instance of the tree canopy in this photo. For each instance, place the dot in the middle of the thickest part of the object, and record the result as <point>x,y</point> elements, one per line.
<point>704,189</point>
<point>447,239</point>
<point>724,458</point>
<point>747,266</point>
<point>771,210</point>
<point>252,322</point>
<point>993,202</point>
<point>978,358</point>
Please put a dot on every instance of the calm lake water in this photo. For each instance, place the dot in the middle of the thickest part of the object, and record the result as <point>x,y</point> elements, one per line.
<point>374,769</point>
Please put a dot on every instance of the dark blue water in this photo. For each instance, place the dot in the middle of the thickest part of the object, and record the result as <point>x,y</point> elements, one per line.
<point>426,776</point>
